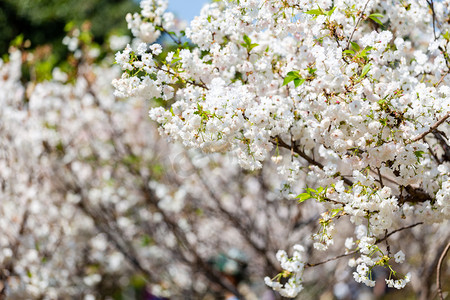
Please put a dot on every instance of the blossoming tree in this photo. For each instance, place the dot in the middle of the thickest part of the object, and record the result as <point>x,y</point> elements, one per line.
<point>354,94</point>
<point>94,201</point>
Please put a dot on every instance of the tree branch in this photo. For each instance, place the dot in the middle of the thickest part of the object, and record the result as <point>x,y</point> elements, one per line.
<point>278,141</point>
<point>357,23</point>
<point>386,236</point>
<point>330,259</point>
<point>397,230</point>
<point>432,128</point>
<point>438,271</point>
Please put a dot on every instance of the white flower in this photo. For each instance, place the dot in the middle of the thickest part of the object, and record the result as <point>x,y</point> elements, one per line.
<point>349,243</point>
<point>362,269</point>
<point>156,49</point>
<point>399,257</point>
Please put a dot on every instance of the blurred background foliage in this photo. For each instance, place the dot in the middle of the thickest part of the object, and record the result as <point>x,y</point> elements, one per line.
<point>43,22</point>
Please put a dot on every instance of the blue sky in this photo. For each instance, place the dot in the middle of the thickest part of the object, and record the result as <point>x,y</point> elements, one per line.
<point>186,9</point>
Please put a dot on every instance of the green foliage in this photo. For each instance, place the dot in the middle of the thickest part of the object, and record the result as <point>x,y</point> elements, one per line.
<point>42,21</point>
<point>374,17</point>
<point>319,11</point>
<point>295,76</point>
<point>318,194</point>
<point>365,70</point>
<point>248,43</point>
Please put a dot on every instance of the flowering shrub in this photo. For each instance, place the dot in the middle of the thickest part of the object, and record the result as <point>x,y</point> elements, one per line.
<point>355,94</point>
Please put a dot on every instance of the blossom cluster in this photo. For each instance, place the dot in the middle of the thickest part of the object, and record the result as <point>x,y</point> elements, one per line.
<point>293,269</point>
<point>354,93</point>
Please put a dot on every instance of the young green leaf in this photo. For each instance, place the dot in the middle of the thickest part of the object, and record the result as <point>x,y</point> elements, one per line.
<point>376,15</point>
<point>364,52</point>
<point>292,76</point>
<point>446,35</point>
<point>330,12</point>
<point>355,46</point>
<point>375,19</point>
<point>247,40</point>
<point>248,43</point>
<point>298,81</point>
<point>302,197</point>
<point>418,153</point>
<point>316,12</point>
<point>365,70</point>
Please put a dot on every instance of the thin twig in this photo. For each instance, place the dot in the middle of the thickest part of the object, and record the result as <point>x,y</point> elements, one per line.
<point>442,79</point>
<point>432,128</point>
<point>386,236</point>
<point>438,271</point>
<point>397,230</point>
<point>357,23</point>
<point>433,13</point>
<point>330,259</point>
<point>388,247</point>
<point>192,82</point>
<point>380,177</point>
<point>278,141</point>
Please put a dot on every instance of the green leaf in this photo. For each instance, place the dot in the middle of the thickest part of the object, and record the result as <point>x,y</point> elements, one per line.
<point>349,52</point>
<point>287,79</point>
<point>446,36</point>
<point>17,42</point>
<point>355,46</point>
<point>330,12</point>
<point>310,190</point>
<point>302,197</point>
<point>381,101</point>
<point>247,40</point>
<point>316,12</point>
<point>252,46</point>
<point>364,52</point>
<point>419,153</point>
<point>298,81</point>
<point>335,211</point>
<point>311,71</point>
<point>248,43</point>
<point>290,76</point>
<point>376,15</point>
<point>365,70</point>
<point>375,19</point>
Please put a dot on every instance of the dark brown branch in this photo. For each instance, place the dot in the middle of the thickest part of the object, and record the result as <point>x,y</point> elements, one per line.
<point>237,222</point>
<point>380,177</point>
<point>442,141</point>
<point>438,271</point>
<point>330,259</point>
<point>386,236</point>
<point>211,274</point>
<point>441,79</point>
<point>128,253</point>
<point>432,128</point>
<point>278,141</point>
<point>433,13</point>
<point>397,230</point>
